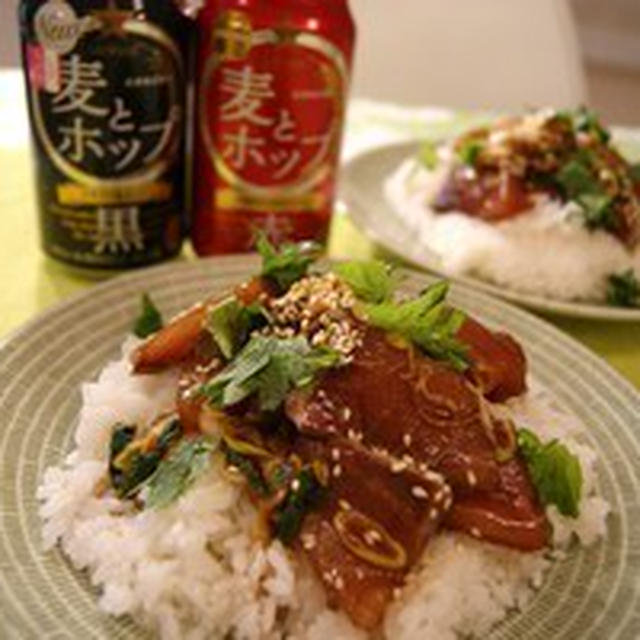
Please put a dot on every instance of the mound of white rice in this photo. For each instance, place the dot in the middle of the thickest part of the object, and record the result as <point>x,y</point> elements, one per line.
<point>193,570</point>
<point>546,251</point>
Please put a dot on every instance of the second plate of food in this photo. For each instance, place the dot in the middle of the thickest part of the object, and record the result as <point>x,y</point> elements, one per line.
<point>560,245</point>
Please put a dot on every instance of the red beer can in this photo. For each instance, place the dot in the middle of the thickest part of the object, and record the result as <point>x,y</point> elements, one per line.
<point>272,81</point>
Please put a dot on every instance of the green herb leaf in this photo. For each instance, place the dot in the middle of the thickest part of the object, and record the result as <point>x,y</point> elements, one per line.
<point>623,289</point>
<point>588,121</point>
<point>428,155</point>
<point>269,367</point>
<point>249,470</point>
<point>131,464</point>
<point>306,494</point>
<point>229,324</point>
<point>288,263</point>
<point>554,470</point>
<point>469,151</point>
<point>577,183</point>
<point>150,320</point>
<point>370,280</point>
<point>175,474</point>
<point>425,321</point>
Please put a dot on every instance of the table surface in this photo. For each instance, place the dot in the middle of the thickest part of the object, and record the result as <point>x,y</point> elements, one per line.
<point>32,282</point>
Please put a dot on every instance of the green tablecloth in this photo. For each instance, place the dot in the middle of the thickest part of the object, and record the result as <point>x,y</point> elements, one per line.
<point>30,282</point>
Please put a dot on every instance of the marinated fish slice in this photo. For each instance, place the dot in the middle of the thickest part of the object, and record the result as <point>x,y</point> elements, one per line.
<point>172,344</point>
<point>372,527</point>
<point>422,412</point>
<point>399,402</point>
<point>498,364</point>
<point>510,516</point>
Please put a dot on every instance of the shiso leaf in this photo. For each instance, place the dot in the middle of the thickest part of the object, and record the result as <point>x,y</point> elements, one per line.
<point>427,322</point>
<point>623,289</point>
<point>370,280</point>
<point>554,470</point>
<point>176,473</point>
<point>285,265</point>
<point>269,367</point>
<point>149,320</point>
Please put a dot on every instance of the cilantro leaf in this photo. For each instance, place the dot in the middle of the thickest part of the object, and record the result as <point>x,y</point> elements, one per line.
<point>371,280</point>
<point>288,263</point>
<point>269,367</point>
<point>623,289</point>
<point>428,155</point>
<point>588,121</point>
<point>554,470</point>
<point>175,474</point>
<point>469,151</point>
<point>149,320</point>
<point>231,322</point>
<point>425,321</point>
<point>577,182</point>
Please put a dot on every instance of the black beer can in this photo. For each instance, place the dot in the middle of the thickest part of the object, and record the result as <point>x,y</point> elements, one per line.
<point>106,84</point>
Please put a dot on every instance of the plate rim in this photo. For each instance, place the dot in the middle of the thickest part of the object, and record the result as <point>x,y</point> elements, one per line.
<point>348,192</point>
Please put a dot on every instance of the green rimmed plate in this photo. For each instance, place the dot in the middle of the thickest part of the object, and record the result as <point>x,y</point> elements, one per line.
<point>592,594</point>
<point>362,189</point>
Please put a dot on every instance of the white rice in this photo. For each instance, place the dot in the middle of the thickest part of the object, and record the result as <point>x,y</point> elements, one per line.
<point>546,251</point>
<point>193,571</point>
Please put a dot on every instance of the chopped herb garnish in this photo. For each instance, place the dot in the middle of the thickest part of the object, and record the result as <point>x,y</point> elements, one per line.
<point>428,155</point>
<point>578,183</point>
<point>249,470</point>
<point>175,474</point>
<point>149,320</point>
<point>588,121</point>
<point>132,462</point>
<point>469,151</point>
<point>371,281</point>
<point>425,321</point>
<point>287,264</point>
<point>623,289</point>
<point>305,494</point>
<point>231,323</point>
<point>554,470</point>
<point>269,367</point>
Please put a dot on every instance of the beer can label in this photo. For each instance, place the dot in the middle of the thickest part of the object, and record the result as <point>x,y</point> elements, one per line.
<point>270,115</point>
<point>107,106</point>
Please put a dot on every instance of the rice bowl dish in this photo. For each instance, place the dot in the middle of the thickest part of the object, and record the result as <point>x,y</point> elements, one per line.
<point>196,568</point>
<point>541,244</point>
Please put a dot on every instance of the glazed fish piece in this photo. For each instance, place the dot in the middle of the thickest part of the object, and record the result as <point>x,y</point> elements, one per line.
<point>371,528</point>
<point>396,401</point>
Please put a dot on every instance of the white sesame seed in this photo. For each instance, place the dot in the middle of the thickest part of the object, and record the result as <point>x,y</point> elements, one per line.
<point>433,514</point>
<point>419,492</point>
<point>295,484</point>
<point>346,413</point>
<point>337,471</point>
<point>398,466</point>
<point>471,478</point>
<point>335,454</point>
<point>475,532</point>
<point>406,439</point>
<point>344,505</point>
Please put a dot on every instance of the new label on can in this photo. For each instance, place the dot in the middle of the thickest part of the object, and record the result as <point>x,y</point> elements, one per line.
<point>272,83</point>
<point>106,85</point>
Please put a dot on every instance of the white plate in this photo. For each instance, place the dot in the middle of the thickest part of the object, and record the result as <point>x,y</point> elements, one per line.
<point>362,188</point>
